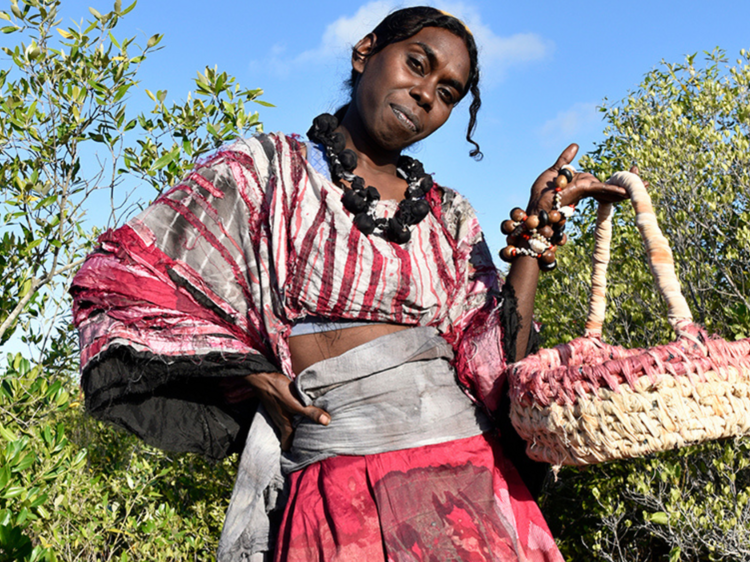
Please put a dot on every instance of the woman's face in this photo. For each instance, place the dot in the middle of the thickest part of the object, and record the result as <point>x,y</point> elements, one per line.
<point>408,90</point>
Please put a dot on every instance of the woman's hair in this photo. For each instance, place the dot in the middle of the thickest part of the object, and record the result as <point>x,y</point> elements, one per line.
<point>402,24</point>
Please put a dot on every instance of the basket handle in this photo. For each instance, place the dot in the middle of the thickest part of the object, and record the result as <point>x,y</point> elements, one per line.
<point>658,253</point>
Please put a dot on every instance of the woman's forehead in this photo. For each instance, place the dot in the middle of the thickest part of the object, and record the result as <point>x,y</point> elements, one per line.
<point>443,48</point>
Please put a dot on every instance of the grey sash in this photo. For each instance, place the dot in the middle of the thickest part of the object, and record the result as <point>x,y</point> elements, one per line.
<point>395,392</point>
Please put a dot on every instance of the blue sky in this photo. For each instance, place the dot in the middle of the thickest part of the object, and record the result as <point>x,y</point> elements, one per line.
<point>546,66</point>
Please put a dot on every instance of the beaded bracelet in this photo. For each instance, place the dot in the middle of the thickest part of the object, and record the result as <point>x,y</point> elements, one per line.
<point>543,232</point>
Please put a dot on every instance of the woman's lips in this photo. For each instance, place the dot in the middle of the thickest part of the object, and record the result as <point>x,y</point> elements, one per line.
<point>405,117</point>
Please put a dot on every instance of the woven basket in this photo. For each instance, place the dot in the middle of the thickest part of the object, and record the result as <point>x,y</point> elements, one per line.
<point>586,402</point>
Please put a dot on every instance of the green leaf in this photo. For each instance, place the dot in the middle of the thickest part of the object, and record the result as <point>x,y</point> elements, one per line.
<point>64,34</point>
<point>153,41</point>
<point>659,517</point>
<point>264,103</point>
<point>25,463</point>
<point>126,10</point>
<point>112,37</point>
<point>7,434</point>
<point>674,554</point>
<point>166,159</point>
<point>13,492</point>
<point>95,13</point>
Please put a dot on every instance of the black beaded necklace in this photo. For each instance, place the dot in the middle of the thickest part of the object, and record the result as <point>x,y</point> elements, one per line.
<point>361,200</point>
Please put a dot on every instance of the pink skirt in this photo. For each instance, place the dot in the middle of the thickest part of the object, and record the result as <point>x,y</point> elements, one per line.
<point>460,500</point>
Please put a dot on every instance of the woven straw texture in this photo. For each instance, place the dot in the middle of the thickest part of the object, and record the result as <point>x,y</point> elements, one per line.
<point>586,401</point>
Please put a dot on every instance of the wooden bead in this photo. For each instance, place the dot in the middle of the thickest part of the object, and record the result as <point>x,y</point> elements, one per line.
<point>548,256</point>
<point>543,218</point>
<point>512,240</point>
<point>544,266</point>
<point>531,222</point>
<point>559,238</point>
<point>568,173</point>
<point>554,217</point>
<point>518,214</point>
<point>508,253</point>
<point>561,181</point>
<point>507,227</point>
<point>546,231</point>
<point>561,224</point>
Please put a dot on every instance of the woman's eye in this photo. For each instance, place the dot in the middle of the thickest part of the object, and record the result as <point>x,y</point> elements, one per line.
<point>416,64</point>
<point>447,96</point>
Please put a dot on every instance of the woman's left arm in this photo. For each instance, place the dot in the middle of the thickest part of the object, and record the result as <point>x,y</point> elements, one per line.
<point>523,276</point>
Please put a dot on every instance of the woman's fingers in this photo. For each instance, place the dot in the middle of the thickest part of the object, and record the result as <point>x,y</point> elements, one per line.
<point>317,415</point>
<point>276,393</point>
<point>566,157</point>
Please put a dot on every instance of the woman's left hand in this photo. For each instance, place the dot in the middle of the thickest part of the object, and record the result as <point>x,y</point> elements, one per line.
<point>582,186</point>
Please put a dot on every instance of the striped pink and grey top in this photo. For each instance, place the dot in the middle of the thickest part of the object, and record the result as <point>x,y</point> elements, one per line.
<point>255,238</point>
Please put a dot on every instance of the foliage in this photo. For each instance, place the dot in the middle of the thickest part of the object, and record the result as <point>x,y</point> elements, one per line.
<point>75,489</point>
<point>687,128</point>
<point>66,134</point>
<point>70,142</point>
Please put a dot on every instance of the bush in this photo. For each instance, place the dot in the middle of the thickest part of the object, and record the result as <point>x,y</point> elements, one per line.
<point>687,127</point>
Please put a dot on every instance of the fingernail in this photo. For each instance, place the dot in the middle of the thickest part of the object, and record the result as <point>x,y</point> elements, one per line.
<point>325,419</point>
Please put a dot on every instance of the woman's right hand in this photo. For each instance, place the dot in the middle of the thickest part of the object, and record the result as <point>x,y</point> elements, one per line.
<point>276,394</point>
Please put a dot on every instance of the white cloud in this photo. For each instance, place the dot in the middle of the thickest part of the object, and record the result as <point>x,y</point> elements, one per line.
<point>566,125</point>
<point>496,53</point>
<point>343,33</point>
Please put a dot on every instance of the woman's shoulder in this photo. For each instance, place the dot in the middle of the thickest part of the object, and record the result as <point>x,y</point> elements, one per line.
<point>269,144</point>
<point>458,215</point>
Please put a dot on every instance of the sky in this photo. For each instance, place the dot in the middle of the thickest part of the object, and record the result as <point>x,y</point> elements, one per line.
<point>546,67</point>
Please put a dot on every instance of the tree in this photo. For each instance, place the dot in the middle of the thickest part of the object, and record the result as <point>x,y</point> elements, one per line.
<point>67,136</point>
<point>687,127</point>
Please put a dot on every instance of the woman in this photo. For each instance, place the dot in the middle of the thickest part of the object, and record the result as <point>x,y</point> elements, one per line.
<point>344,314</point>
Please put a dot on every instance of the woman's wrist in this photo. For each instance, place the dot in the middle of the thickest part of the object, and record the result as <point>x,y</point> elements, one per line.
<point>538,233</point>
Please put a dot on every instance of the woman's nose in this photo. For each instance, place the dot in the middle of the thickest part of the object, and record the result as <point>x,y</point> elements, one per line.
<point>424,94</point>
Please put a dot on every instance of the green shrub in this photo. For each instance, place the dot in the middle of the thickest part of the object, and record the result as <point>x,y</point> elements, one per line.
<point>687,127</point>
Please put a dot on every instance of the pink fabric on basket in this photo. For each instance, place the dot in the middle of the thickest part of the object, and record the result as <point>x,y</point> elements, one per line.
<point>585,365</point>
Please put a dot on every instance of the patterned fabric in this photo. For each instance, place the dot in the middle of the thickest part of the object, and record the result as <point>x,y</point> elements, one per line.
<point>460,500</point>
<point>217,270</point>
<point>208,281</point>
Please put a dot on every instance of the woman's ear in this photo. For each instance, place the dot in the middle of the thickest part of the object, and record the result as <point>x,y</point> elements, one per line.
<point>361,50</point>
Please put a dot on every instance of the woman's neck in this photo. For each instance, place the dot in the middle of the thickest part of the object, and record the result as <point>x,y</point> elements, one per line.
<point>375,165</point>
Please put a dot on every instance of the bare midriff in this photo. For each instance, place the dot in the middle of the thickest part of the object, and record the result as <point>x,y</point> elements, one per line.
<point>308,349</point>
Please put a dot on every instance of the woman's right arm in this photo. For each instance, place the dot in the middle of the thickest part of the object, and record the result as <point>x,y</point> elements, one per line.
<point>173,301</point>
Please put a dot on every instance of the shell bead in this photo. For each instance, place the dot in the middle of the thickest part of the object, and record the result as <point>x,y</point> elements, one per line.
<point>537,246</point>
